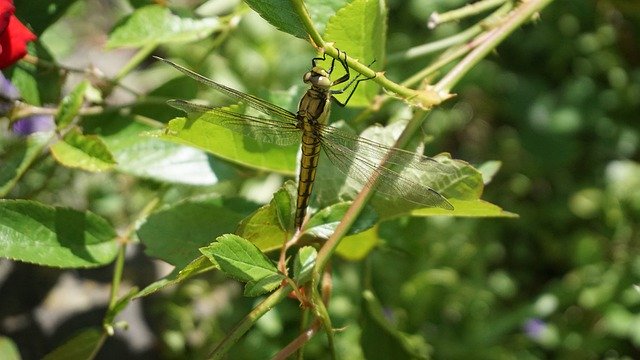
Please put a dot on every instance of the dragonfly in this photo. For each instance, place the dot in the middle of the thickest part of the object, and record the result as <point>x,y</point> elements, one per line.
<point>356,157</point>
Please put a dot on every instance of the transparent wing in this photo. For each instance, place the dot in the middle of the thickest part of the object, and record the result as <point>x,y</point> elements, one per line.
<point>263,130</point>
<point>263,106</point>
<point>360,158</point>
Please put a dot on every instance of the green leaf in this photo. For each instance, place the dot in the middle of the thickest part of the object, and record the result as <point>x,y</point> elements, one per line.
<point>152,158</point>
<point>284,201</point>
<point>82,346</point>
<point>357,247</point>
<point>466,208</point>
<point>174,234</point>
<point>360,29</point>
<point>380,340</point>
<point>202,132</point>
<point>59,237</point>
<point>198,266</point>
<point>86,152</point>
<point>16,158</point>
<point>71,104</point>
<point>323,223</point>
<point>156,24</point>
<point>8,349</point>
<point>303,264</point>
<point>263,286</point>
<point>241,260</point>
<point>489,169</point>
<point>280,14</point>
<point>39,15</point>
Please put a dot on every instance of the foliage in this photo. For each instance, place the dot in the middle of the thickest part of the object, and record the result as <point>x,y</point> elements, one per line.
<point>117,171</point>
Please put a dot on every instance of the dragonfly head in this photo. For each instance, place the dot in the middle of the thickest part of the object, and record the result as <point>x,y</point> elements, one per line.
<point>317,77</point>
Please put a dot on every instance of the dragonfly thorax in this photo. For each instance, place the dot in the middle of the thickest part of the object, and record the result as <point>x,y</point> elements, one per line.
<point>318,77</point>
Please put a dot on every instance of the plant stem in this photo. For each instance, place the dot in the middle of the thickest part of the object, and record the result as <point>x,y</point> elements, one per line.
<point>247,322</point>
<point>303,14</point>
<point>469,10</point>
<point>136,60</point>
<point>518,16</point>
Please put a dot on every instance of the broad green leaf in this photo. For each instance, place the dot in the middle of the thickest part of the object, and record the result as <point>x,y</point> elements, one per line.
<point>80,347</point>
<point>8,349</point>
<point>198,266</point>
<point>466,208</point>
<point>156,24</point>
<point>16,158</point>
<point>175,234</point>
<point>37,85</point>
<point>59,237</point>
<point>263,229</point>
<point>357,247</point>
<point>152,158</point>
<point>241,260</point>
<point>203,133</point>
<point>360,30</point>
<point>323,223</point>
<point>303,264</point>
<point>71,104</point>
<point>86,152</point>
<point>380,340</point>
<point>280,14</point>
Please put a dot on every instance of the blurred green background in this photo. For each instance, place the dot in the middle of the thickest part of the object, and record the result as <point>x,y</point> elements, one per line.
<point>558,104</point>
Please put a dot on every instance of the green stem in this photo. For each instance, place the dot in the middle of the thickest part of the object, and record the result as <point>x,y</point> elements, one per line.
<point>247,322</point>
<point>117,276</point>
<point>303,14</point>
<point>469,10</point>
<point>517,17</point>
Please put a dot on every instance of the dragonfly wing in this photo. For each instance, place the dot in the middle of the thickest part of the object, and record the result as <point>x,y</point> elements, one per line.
<point>263,130</point>
<point>255,102</point>
<point>360,158</point>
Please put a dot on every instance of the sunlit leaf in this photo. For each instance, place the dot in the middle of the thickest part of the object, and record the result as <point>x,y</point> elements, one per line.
<point>156,24</point>
<point>86,152</point>
<point>59,237</point>
<point>303,264</point>
<point>71,104</point>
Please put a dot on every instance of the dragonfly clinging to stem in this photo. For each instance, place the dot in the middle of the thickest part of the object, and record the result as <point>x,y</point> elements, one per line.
<point>355,156</point>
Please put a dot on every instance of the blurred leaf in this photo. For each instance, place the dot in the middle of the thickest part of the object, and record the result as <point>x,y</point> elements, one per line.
<point>380,340</point>
<point>323,223</point>
<point>281,15</point>
<point>82,346</point>
<point>152,158</point>
<point>198,266</point>
<point>360,29</point>
<point>155,24</point>
<point>241,260</point>
<point>39,15</point>
<point>285,204</point>
<point>58,237</point>
<point>86,152</point>
<point>203,133</point>
<point>488,170</point>
<point>16,158</point>
<point>466,208</point>
<point>71,104</point>
<point>175,233</point>
<point>357,247</point>
<point>303,264</point>
<point>37,85</point>
<point>8,349</point>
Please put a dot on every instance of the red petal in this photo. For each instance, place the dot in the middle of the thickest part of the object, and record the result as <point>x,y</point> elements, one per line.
<point>13,42</point>
<point>6,10</point>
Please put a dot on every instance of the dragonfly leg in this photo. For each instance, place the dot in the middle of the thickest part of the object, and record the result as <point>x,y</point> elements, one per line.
<point>355,82</point>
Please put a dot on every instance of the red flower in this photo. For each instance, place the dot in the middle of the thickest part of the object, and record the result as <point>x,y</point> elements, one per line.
<point>13,35</point>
